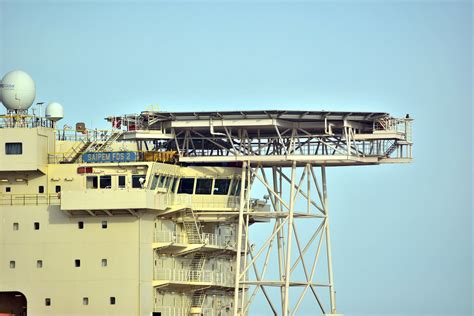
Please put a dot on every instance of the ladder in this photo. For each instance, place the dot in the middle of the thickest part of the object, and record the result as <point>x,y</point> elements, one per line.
<point>73,154</point>
<point>198,299</point>
<point>197,266</point>
<point>391,149</point>
<point>192,228</point>
<point>106,145</point>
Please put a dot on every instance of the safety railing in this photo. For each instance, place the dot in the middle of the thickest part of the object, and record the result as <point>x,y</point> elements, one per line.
<point>193,276</point>
<point>173,237</point>
<point>30,199</point>
<point>207,239</point>
<point>171,310</point>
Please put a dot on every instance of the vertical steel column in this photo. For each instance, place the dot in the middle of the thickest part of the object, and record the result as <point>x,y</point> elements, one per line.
<point>239,239</point>
<point>288,241</point>
<point>277,183</point>
<point>328,243</point>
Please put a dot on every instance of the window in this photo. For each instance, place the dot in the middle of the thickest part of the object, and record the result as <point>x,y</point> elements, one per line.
<point>85,301</point>
<point>47,301</point>
<point>41,189</point>
<point>57,189</point>
<point>104,224</point>
<point>162,181</point>
<point>138,181</point>
<point>91,182</point>
<point>105,182</point>
<point>112,300</point>
<point>13,148</point>
<point>168,181</point>
<point>154,182</point>
<point>16,226</point>
<point>37,226</point>
<point>221,186</point>
<point>39,264</point>
<point>121,182</point>
<point>203,186</point>
<point>174,181</point>
<point>77,263</point>
<point>104,262</point>
<point>12,264</point>
<point>8,189</point>
<point>80,225</point>
<point>186,186</point>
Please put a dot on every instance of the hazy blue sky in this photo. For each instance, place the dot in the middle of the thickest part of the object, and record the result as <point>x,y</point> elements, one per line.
<point>402,234</point>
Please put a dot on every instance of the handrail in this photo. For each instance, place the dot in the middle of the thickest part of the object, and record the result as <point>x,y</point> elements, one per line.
<point>30,199</point>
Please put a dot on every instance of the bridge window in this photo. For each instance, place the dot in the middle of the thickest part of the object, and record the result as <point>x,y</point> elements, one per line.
<point>37,225</point>
<point>154,182</point>
<point>121,182</point>
<point>58,189</point>
<point>204,186</point>
<point>39,264</point>
<point>138,181</point>
<point>16,226</point>
<point>186,186</point>
<point>104,224</point>
<point>80,225</point>
<point>104,262</point>
<point>112,300</point>
<point>77,263</point>
<point>41,189</point>
<point>91,182</point>
<point>221,186</point>
<point>8,189</point>
<point>13,148</point>
<point>105,182</point>
<point>12,264</point>
<point>173,183</point>
<point>47,302</point>
<point>161,183</point>
<point>85,301</point>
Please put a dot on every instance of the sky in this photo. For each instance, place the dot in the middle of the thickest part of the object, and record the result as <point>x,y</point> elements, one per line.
<point>401,234</point>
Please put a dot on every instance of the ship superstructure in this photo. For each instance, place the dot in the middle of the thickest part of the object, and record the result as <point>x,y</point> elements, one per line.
<point>153,216</point>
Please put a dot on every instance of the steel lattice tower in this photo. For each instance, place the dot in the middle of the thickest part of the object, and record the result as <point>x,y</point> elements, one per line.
<point>286,154</point>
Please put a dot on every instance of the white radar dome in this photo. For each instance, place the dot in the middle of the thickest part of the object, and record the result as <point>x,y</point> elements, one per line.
<point>17,90</point>
<point>54,111</point>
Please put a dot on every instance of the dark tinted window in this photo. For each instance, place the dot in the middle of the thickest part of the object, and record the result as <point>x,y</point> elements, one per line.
<point>41,189</point>
<point>13,148</point>
<point>221,186</point>
<point>58,189</point>
<point>121,182</point>
<point>137,180</point>
<point>105,182</point>
<point>186,185</point>
<point>203,186</point>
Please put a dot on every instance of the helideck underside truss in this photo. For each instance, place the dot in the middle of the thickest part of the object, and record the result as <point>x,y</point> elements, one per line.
<point>286,263</point>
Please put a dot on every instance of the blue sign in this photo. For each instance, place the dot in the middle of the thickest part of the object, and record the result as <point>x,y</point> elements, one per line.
<point>118,156</point>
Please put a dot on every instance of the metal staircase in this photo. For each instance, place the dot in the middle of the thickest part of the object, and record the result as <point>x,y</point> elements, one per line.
<point>198,299</point>
<point>192,228</point>
<point>76,151</point>
<point>391,149</point>
<point>97,147</point>
<point>197,265</point>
